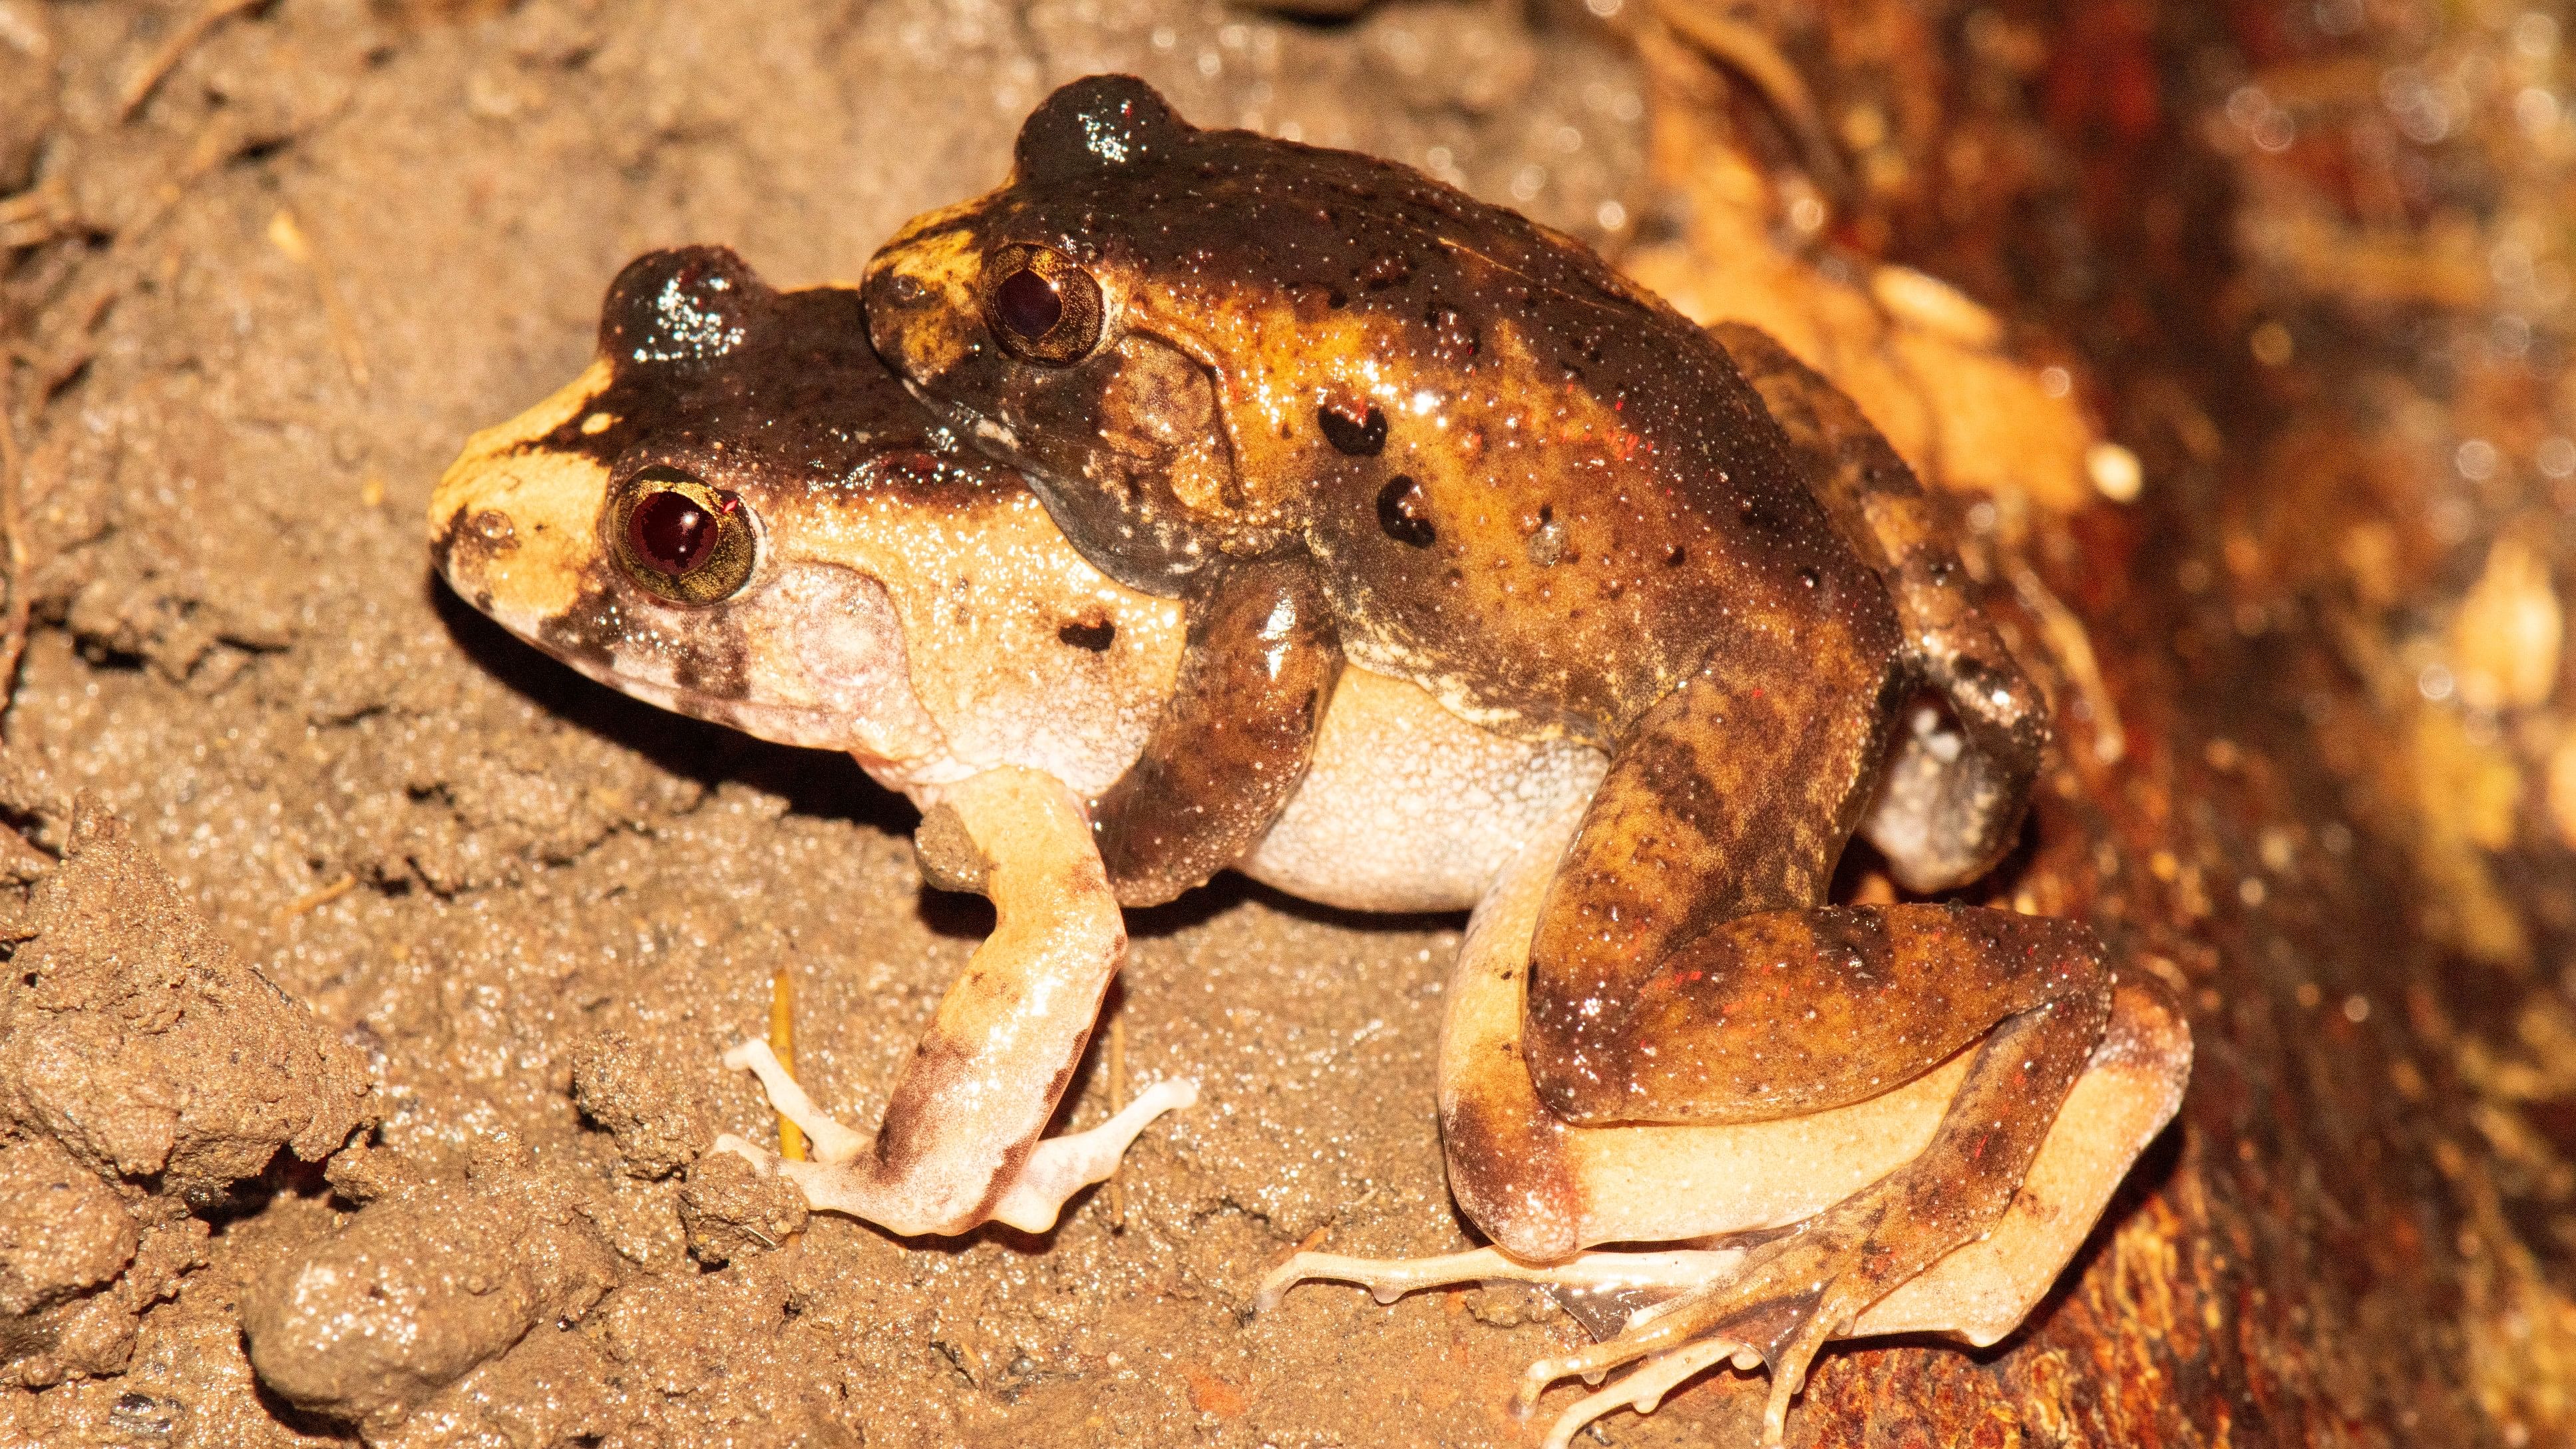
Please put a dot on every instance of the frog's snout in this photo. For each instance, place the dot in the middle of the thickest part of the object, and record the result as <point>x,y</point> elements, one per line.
<point>920,298</point>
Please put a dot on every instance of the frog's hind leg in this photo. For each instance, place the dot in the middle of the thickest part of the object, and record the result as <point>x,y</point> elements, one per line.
<point>1535,1185</point>
<point>1951,802</point>
<point>1817,1283</point>
<point>1682,971</point>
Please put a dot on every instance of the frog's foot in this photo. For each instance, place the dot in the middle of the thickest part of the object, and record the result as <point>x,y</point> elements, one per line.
<point>1387,1279</point>
<point>1063,1166</point>
<point>1794,1294</point>
<point>1644,1388</point>
<point>835,1181</point>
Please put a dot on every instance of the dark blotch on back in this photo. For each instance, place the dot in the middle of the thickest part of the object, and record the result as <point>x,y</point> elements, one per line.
<point>1095,635</point>
<point>1399,512</point>
<point>1365,438</point>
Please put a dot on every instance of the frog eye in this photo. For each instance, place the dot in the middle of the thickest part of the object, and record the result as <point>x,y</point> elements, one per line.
<point>681,539</point>
<point>1040,305</point>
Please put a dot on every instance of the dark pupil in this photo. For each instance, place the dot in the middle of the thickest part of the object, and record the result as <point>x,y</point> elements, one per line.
<point>1028,304</point>
<point>672,532</point>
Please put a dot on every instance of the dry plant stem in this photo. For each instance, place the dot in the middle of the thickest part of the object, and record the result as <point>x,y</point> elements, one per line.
<point>1704,26</point>
<point>2074,651</point>
<point>13,541</point>
<point>1117,1104</point>
<point>147,80</point>
<point>315,899</point>
<point>782,1043</point>
<point>289,236</point>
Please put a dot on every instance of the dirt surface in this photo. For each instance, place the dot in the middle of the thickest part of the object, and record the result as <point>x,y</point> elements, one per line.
<point>332,241</point>
<point>264,273</point>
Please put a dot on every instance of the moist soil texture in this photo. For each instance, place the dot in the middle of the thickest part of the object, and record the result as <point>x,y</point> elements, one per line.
<point>512,919</point>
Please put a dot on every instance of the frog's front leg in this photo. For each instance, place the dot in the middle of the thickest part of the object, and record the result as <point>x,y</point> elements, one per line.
<point>960,1144</point>
<point>1951,803</point>
<point>1234,738</point>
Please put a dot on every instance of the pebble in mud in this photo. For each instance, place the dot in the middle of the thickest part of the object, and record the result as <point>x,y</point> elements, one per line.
<point>62,1230</point>
<point>655,1107</point>
<point>78,1266</point>
<point>418,1290</point>
<point>732,1209</point>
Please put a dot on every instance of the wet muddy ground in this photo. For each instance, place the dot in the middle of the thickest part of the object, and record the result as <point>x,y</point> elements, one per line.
<point>267,265</point>
<point>333,240</point>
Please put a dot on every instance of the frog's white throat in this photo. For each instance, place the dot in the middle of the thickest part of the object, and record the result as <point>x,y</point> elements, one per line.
<point>812,655</point>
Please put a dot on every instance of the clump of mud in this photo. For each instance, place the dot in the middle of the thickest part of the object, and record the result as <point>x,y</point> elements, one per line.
<point>144,1072</point>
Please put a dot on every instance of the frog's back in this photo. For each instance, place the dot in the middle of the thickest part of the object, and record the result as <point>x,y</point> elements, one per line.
<point>1531,485</point>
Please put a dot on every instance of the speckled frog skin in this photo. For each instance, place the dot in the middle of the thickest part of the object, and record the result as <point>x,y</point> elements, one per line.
<point>1289,383</point>
<point>736,513</point>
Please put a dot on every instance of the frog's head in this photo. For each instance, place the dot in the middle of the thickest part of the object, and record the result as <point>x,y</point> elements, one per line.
<point>708,518</point>
<point>1096,320</point>
<point>1188,337</point>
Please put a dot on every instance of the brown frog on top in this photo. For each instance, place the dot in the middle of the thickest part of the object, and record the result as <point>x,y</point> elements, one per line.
<point>1339,408</point>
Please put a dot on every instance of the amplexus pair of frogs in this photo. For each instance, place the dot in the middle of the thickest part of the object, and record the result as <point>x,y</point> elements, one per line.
<point>1199,500</point>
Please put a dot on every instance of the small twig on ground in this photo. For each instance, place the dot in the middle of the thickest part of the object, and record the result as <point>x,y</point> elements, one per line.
<point>36,215</point>
<point>147,80</point>
<point>1117,1104</point>
<point>287,235</point>
<point>782,1044</point>
<point>13,541</point>
<point>315,899</point>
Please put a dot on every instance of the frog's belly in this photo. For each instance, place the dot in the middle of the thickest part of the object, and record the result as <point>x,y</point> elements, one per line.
<point>1410,808</point>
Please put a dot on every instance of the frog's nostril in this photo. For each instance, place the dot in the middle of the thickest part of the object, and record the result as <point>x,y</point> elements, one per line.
<point>908,290</point>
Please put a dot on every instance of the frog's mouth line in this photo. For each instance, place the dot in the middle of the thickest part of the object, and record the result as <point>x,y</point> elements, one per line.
<point>989,432</point>
<point>813,727</point>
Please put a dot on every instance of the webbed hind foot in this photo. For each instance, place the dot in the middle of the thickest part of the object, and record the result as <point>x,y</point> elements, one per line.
<point>1795,1294</point>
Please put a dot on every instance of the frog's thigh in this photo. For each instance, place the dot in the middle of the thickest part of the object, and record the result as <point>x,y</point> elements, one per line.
<point>1952,801</point>
<point>960,1141</point>
<point>1681,970</point>
<point>1233,740</point>
<point>1732,799</point>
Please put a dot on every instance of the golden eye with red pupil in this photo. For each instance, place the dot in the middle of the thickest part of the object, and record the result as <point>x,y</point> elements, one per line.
<point>1040,306</point>
<point>680,539</point>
